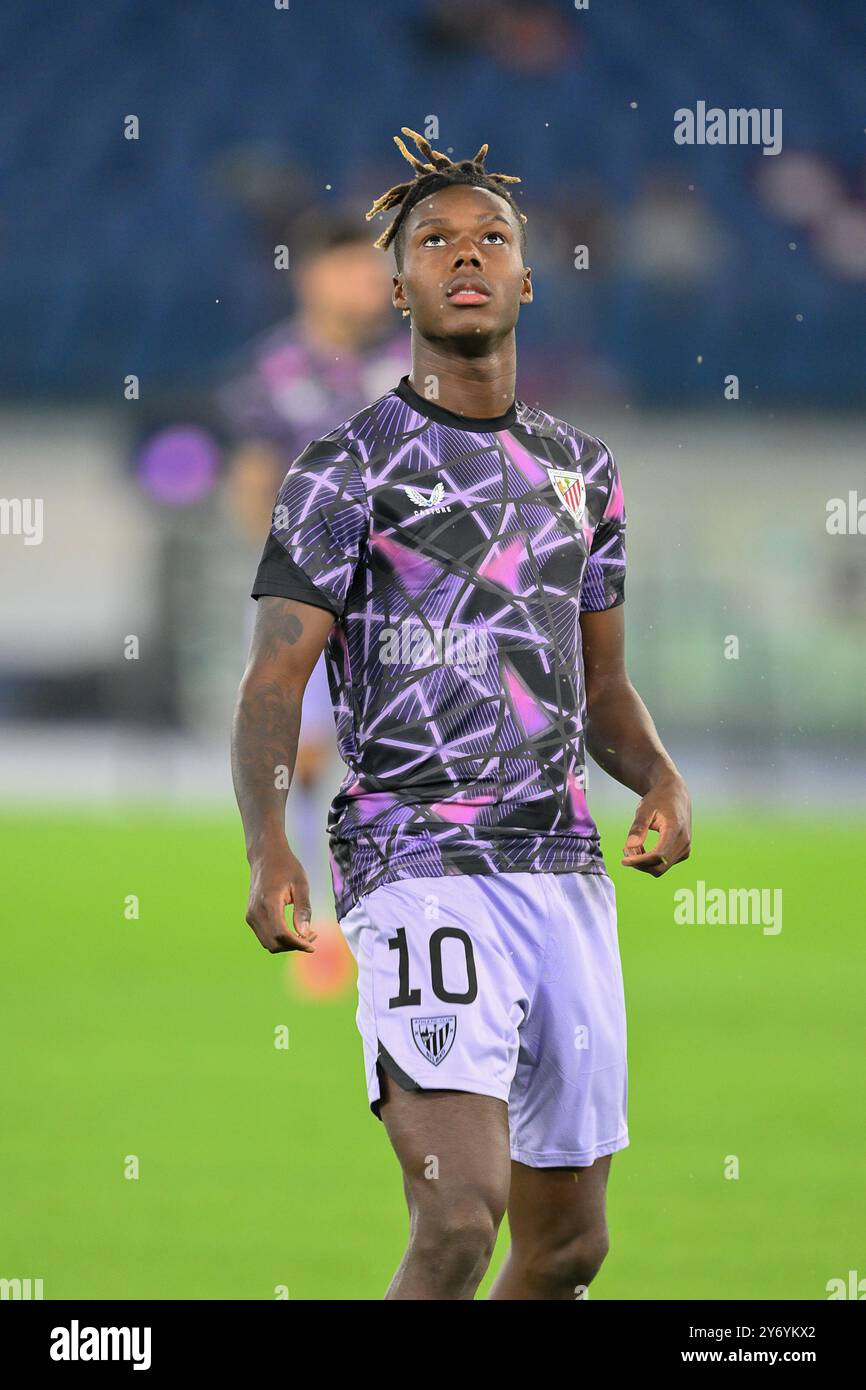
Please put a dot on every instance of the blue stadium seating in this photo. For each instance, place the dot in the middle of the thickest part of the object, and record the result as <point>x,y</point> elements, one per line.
<point>113,253</point>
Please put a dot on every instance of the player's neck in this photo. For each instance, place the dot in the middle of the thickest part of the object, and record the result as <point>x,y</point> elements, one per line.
<point>478,387</point>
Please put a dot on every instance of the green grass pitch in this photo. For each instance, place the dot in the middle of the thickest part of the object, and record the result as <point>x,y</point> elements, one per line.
<point>261,1167</point>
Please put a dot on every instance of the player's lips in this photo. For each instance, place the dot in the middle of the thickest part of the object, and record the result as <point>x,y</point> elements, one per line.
<point>472,290</point>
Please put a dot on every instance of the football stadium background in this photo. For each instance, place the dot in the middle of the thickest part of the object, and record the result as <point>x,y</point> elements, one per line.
<point>184,1115</point>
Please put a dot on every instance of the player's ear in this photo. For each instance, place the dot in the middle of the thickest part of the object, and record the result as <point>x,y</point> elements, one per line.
<point>526,289</point>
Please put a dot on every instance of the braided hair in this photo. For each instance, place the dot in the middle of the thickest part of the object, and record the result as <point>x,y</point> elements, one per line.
<point>439,172</point>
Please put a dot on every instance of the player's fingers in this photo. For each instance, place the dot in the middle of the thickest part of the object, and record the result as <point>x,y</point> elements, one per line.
<point>672,847</point>
<point>645,819</point>
<point>287,940</point>
<point>267,917</point>
<point>282,937</point>
<point>636,839</point>
<point>667,844</point>
<point>639,827</point>
<point>648,862</point>
<point>301,910</point>
<point>674,842</point>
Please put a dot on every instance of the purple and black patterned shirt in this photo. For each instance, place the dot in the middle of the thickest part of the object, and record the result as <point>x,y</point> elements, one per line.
<point>456,555</point>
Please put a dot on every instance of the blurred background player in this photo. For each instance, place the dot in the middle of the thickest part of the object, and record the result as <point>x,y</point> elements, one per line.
<point>334,352</point>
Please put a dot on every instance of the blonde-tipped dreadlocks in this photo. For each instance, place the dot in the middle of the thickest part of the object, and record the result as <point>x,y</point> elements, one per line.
<point>438,173</point>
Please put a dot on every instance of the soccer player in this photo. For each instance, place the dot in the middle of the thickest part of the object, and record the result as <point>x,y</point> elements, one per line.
<point>460,557</point>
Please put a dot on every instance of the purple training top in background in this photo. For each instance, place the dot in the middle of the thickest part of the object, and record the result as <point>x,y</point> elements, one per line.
<point>290,392</point>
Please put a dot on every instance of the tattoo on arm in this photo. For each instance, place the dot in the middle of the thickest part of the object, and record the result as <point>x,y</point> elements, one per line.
<point>287,642</point>
<point>265,733</point>
<point>275,628</point>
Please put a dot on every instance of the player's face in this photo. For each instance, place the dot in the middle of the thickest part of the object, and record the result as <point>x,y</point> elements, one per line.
<point>349,282</point>
<point>463,234</point>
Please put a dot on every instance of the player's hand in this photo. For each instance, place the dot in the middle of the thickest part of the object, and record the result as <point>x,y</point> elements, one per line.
<point>666,808</point>
<point>277,881</point>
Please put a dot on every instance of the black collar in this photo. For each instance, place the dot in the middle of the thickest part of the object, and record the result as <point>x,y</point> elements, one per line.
<point>487,424</point>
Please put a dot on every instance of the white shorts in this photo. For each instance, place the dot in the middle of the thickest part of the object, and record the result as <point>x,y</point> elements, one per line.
<point>507,985</point>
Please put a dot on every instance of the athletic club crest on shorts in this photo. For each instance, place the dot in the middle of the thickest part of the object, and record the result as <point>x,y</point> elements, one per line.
<point>434,1036</point>
<point>570,489</point>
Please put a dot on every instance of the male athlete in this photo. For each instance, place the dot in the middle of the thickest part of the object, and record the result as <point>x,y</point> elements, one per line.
<point>460,557</point>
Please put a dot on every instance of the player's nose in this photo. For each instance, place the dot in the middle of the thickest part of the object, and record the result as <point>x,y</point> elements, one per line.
<point>467,253</point>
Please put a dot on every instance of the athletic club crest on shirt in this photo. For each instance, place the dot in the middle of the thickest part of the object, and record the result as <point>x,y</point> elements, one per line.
<point>434,1036</point>
<point>570,489</point>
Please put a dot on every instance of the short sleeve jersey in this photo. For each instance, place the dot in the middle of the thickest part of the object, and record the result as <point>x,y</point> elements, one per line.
<point>456,555</point>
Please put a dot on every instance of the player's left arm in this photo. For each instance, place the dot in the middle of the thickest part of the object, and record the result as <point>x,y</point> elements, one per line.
<point>622,738</point>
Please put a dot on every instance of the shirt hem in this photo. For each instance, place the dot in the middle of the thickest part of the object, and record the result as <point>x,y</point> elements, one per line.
<point>562,1158</point>
<point>346,902</point>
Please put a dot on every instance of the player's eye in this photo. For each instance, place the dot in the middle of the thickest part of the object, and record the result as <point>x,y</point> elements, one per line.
<point>431,235</point>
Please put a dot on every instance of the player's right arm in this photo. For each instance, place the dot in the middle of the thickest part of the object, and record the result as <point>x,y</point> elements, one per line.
<point>288,640</point>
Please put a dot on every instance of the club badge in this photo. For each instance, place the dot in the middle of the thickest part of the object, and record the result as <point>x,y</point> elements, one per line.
<point>570,489</point>
<point>434,1036</point>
